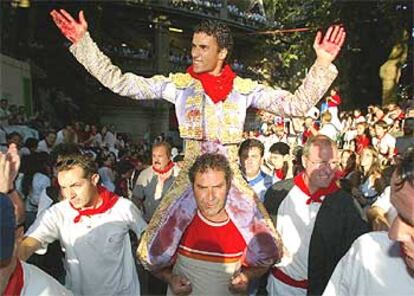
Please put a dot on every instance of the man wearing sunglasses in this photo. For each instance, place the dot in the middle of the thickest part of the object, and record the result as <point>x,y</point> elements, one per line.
<point>92,225</point>
<point>316,219</point>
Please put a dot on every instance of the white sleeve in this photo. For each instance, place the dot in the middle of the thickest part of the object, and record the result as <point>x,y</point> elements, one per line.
<point>134,217</point>
<point>44,203</point>
<point>125,84</point>
<point>45,229</point>
<point>39,184</point>
<point>281,102</point>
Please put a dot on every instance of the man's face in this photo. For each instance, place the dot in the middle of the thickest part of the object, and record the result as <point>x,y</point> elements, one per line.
<point>379,131</point>
<point>51,139</point>
<point>210,192</point>
<point>206,54</point>
<point>320,165</point>
<point>276,160</point>
<point>3,104</point>
<point>402,229</point>
<point>79,189</point>
<point>360,129</point>
<point>251,161</point>
<point>160,157</point>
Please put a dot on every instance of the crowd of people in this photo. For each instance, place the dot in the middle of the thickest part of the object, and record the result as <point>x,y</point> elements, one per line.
<point>287,210</point>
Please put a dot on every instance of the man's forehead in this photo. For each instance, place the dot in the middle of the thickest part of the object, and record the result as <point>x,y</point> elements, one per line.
<point>72,173</point>
<point>323,150</point>
<point>203,37</point>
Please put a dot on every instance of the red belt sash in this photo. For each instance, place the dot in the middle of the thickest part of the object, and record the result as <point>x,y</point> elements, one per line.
<point>284,278</point>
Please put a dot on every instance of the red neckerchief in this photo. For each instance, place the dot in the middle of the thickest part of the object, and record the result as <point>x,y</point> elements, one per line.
<point>337,101</point>
<point>279,174</point>
<point>16,281</point>
<point>164,170</point>
<point>315,197</point>
<point>108,201</point>
<point>216,87</point>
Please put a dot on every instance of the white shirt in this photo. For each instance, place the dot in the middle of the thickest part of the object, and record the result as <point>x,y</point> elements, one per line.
<point>383,202</point>
<point>385,145</point>
<point>329,130</point>
<point>107,178</point>
<point>372,266</point>
<point>40,182</point>
<point>43,147</point>
<point>295,223</point>
<point>98,257</point>
<point>39,283</point>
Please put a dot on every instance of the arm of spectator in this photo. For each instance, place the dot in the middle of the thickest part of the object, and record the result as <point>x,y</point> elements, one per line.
<point>27,247</point>
<point>179,284</point>
<point>378,219</point>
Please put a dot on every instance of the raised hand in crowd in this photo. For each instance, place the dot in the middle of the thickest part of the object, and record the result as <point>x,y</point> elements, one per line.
<point>9,168</point>
<point>72,29</point>
<point>329,46</point>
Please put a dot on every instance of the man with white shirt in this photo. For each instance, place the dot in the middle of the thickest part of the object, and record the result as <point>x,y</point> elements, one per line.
<point>379,263</point>
<point>92,225</point>
<point>317,222</point>
<point>251,153</point>
<point>48,143</point>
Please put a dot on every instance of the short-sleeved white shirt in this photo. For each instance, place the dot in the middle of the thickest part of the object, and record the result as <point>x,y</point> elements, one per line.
<point>98,253</point>
<point>385,145</point>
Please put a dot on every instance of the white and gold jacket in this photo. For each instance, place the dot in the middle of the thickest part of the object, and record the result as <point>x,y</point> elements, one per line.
<point>198,117</point>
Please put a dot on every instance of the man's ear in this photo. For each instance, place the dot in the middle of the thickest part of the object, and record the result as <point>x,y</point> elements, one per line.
<point>304,162</point>
<point>223,53</point>
<point>95,179</point>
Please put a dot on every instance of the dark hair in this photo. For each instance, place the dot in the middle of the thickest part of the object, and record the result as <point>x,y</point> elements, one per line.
<point>64,149</point>
<point>352,161</point>
<point>248,144</point>
<point>67,162</point>
<point>382,124</point>
<point>213,161</point>
<point>405,168</point>
<point>37,162</point>
<point>280,148</point>
<point>31,143</point>
<point>220,31</point>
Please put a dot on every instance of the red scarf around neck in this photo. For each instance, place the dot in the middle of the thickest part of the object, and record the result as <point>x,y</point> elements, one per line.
<point>164,170</point>
<point>108,201</point>
<point>216,87</point>
<point>279,174</point>
<point>16,281</point>
<point>315,197</point>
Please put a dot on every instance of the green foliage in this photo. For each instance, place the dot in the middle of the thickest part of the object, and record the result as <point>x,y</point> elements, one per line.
<point>289,55</point>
